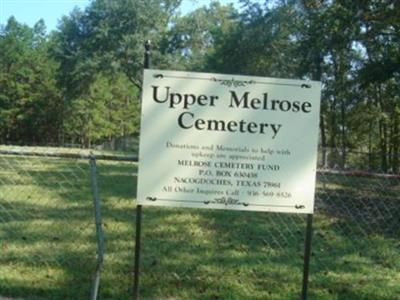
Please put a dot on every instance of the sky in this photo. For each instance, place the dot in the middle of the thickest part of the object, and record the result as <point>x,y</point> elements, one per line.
<point>31,11</point>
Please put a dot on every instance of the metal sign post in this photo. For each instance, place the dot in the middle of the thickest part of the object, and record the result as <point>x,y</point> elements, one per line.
<point>137,252</point>
<point>139,207</point>
<point>307,255</point>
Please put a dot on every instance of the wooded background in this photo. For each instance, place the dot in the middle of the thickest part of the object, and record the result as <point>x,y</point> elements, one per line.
<point>80,84</point>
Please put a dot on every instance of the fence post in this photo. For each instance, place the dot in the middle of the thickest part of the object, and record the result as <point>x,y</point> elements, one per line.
<point>99,229</point>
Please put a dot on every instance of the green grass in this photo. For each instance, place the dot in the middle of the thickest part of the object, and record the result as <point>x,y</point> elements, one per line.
<point>48,243</point>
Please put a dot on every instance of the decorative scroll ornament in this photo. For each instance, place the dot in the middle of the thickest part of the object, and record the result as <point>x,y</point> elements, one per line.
<point>226,201</point>
<point>233,82</point>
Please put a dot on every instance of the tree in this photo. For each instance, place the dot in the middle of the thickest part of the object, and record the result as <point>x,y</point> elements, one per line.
<point>191,41</point>
<point>88,89</point>
<point>29,98</point>
<point>262,43</point>
<point>108,37</point>
<point>99,51</point>
<point>108,110</point>
<point>381,72</point>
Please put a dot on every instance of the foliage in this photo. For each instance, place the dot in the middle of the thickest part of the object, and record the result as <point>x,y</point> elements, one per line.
<point>81,83</point>
<point>193,38</point>
<point>29,98</point>
<point>107,110</point>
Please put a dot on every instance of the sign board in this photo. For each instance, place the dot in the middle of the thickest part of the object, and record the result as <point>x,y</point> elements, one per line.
<point>228,142</point>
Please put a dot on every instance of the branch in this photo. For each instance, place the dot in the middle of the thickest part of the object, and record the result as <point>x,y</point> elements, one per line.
<point>135,82</point>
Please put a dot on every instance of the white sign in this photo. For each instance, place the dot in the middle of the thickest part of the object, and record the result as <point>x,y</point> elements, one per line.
<point>228,142</point>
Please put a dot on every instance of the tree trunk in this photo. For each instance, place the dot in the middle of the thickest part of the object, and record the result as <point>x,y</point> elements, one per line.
<point>396,142</point>
<point>332,138</point>
<point>343,133</point>
<point>370,147</point>
<point>323,140</point>
<point>382,131</point>
<point>318,76</point>
<point>383,144</point>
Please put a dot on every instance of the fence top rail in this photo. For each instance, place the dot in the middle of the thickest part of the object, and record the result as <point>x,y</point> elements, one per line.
<point>80,155</point>
<point>359,174</point>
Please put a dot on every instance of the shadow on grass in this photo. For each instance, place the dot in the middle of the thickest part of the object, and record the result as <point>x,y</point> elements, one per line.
<point>187,253</point>
<point>363,206</point>
<point>253,256</point>
<point>46,252</point>
<point>31,277</point>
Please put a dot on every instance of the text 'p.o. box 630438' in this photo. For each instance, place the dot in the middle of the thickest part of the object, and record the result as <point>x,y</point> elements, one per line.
<point>228,142</point>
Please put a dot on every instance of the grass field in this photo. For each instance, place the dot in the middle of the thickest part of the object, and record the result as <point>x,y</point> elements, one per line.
<point>48,243</point>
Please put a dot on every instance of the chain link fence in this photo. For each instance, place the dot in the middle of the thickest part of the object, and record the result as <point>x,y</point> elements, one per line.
<point>47,233</point>
<point>49,249</point>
